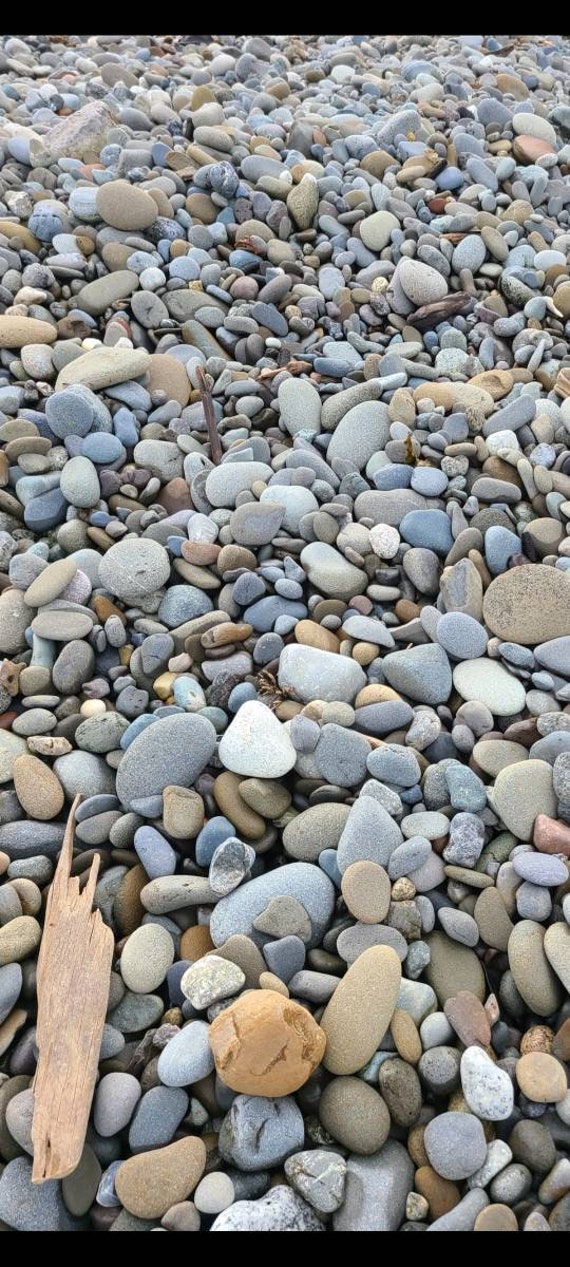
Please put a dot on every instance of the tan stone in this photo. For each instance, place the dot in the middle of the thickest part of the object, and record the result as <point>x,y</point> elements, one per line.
<point>360,1010</point>
<point>183,812</point>
<point>310,634</point>
<point>541,1077</point>
<point>17,332</point>
<point>528,604</point>
<point>265,1044</point>
<point>125,206</point>
<point>406,1037</point>
<point>366,891</point>
<point>169,375</point>
<point>38,788</point>
<point>496,1218</point>
<point>148,1184</point>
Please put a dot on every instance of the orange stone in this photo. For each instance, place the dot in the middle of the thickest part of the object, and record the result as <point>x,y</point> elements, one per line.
<point>265,1044</point>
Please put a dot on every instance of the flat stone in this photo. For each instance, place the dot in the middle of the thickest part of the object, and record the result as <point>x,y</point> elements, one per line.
<point>148,1184</point>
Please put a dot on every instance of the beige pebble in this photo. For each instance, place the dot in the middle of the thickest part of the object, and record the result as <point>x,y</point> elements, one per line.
<point>360,1010</point>
<point>366,891</point>
<point>541,1077</point>
<point>148,1184</point>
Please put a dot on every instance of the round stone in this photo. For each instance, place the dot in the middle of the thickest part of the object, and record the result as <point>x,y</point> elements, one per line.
<point>134,568</point>
<point>366,891</point>
<point>487,682</point>
<point>265,1044</point>
<point>455,1144</point>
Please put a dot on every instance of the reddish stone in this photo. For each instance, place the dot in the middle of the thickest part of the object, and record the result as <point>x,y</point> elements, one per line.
<point>200,552</point>
<point>175,496</point>
<point>528,149</point>
<point>551,836</point>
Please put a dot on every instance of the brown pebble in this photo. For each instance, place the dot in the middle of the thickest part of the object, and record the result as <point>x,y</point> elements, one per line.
<point>442,1194</point>
<point>266,1045</point>
<point>360,1010</point>
<point>195,942</point>
<point>406,1037</point>
<point>37,787</point>
<point>469,1020</point>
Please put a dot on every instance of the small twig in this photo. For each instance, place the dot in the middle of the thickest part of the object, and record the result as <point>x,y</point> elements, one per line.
<point>215,442</point>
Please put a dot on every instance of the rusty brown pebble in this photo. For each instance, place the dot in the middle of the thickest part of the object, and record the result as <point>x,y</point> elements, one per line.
<point>265,1044</point>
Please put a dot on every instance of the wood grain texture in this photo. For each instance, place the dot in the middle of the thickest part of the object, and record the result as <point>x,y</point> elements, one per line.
<point>74,968</point>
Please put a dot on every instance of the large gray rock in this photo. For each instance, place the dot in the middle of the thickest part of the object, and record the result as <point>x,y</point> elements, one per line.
<point>376,1191</point>
<point>236,912</point>
<point>28,1207</point>
<point>312,674</point>
<point>173,750</point>
<point>259,1132</point>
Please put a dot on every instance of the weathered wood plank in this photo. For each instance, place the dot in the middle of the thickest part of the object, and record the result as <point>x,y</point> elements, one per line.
<point>74,968</point>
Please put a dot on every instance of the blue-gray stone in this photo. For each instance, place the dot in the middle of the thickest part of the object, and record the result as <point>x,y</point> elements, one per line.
<point>236,912</point>
<point>370,835</point>
<point>174,750</point>
<point>393,763</point>
<point>10,986</point>
<point>428,528</point>
<point>187,1057</point>
<point>340,756</point>
<point>157,1117</point>
<point>381,719</point>
<point>259,1132</point>
<point>29,1207</point>
<point>461,635</point>
<point>285,957</point>
<point>155,853</point>
<point>422,672</point>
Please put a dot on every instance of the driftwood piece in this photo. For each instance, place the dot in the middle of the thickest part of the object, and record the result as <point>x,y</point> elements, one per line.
<point>216,452</point>
<point>74,969</point>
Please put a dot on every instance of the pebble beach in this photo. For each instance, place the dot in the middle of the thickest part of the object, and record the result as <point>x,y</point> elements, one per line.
<point>285,599</point>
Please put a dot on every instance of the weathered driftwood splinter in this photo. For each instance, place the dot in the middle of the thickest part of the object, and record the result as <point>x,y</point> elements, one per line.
<point>74,968</point>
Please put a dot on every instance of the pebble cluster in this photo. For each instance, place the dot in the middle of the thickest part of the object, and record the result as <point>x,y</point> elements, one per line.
<point>285,595</point>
